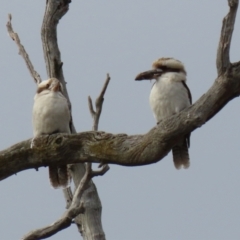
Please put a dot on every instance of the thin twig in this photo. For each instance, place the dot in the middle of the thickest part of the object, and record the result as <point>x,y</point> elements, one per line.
<point>98,104</point>
<point>100,99</point>
<point>75,209</point>
<point>223,59</point>
<point>90,105</point>
<point>22,50</point>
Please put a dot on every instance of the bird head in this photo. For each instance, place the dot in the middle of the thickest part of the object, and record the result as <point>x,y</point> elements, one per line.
<point>160,67</point>
<point>51,84</point>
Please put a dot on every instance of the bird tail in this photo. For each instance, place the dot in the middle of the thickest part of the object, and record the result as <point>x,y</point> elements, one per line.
<point>59,176</point>
<point>180,154</point>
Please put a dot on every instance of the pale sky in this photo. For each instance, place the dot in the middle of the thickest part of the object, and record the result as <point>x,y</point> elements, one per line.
<point>123,38</point>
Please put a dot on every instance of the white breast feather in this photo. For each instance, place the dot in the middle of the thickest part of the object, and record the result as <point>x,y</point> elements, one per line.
<point>50,114</point>
<point>168,96</point>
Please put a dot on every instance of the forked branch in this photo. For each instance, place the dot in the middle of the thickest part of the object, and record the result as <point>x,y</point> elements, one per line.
<point>98,104</point>
<point>77,207</point>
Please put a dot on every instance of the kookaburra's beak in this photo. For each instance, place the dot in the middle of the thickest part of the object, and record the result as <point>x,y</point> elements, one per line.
<point>148,75</point>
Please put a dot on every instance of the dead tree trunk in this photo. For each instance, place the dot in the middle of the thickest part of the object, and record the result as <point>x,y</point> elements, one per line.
<point>89,223</point>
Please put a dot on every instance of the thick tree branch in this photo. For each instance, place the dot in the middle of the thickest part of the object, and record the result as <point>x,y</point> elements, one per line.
<point>122,149</point>
<point>75,209</point>
<point>223,59</point>
<point>22,50</point>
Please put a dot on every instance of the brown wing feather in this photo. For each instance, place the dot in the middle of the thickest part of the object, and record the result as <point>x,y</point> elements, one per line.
<point>188,91</point>
<point>190,100</point>
<point>180,150</point>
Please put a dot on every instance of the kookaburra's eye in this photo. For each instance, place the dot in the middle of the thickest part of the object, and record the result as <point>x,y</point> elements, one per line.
<point>48,85</point>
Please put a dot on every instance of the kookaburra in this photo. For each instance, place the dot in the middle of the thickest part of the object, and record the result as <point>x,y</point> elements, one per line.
<point>170,95</point>
<point>51,114</point>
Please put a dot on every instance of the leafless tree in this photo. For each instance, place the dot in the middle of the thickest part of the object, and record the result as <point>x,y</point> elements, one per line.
<point>79,150</point>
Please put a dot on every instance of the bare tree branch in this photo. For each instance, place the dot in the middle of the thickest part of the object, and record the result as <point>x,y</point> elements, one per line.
<point>91,219</point>
<point>123,149</point>
<point>223,59</point>
<point>120,148</point>
<point>64,222</point>
<point>99,234</point>
<point>22,50</point>
<point>54,11</point>
<point>90,106</point>
<point>98,104</point>
<point>75,209</point>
